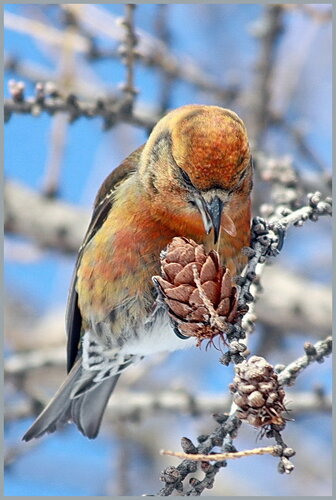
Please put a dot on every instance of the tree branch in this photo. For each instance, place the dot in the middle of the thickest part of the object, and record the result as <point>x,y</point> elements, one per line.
<point>110,111</point>
<point>51,223</point>
<point>267,30</point>
<point>314,353</point>
<point>127,52</point>
<point>268,450</point>
<point>150,51</point>
<point>228,430</point>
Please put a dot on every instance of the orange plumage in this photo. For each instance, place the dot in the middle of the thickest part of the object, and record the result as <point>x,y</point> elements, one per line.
<point>192,178</point>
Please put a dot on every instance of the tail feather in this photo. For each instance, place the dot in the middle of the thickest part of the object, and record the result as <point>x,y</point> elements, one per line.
<point>86,410</point>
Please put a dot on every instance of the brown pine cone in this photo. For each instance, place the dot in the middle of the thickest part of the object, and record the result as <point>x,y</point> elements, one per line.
<point>199,292</point>
<point>257,393</point>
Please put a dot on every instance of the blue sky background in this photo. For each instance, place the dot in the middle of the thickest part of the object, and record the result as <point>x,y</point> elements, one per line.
<point>219,38</point>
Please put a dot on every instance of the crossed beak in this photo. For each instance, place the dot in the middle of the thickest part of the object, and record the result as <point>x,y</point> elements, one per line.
<point>211,213</point>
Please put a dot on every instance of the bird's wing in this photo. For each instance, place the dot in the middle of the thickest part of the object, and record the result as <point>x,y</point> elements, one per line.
<point>102,206</point>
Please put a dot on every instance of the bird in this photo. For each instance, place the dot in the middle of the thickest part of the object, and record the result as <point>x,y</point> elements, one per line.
<point>192,178</point>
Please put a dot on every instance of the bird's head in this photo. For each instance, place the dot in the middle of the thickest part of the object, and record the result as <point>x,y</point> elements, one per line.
<point>195,161</point>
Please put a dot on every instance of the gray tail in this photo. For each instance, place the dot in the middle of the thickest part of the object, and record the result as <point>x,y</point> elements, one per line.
<point>85,410</point>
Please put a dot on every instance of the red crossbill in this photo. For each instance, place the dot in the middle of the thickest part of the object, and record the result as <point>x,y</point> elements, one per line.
<point>192,178</point>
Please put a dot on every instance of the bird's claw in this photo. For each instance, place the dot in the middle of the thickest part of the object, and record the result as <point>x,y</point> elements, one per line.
<point>177,331</point>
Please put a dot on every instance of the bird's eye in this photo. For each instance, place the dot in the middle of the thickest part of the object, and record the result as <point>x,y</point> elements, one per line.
<point>242,175</point>
<point>186,177</point>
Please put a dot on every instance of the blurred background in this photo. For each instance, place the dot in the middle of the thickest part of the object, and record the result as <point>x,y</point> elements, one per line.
<point>270,64</point>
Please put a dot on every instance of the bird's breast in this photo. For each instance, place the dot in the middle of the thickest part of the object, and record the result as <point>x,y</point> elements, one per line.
<point>156,336</point>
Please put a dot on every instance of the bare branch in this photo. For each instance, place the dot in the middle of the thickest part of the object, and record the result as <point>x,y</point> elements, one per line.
<point>268,29</point>
<point>163,33</point>
<point>20,363</point>
<point>53,224</point>
<point>127,53</point>
<point>173,477</point>
<point>28,70</point>
<point>80,85</point>
<point>314,353</point>
<point>228,428</point>
<point>56,151</point>
<point>268,450</point>
<point>294,303</point>
<point>110,111</point>
<point>16,451</point>
<point>305,149</point>
<point>41,31</point>
<point>150,50</point>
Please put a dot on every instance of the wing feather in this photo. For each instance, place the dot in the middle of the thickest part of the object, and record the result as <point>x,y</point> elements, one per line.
<point>102,206</point>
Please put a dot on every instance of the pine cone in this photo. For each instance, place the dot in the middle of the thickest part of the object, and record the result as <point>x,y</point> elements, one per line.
<point>199,292</point>
<point>257,393</point>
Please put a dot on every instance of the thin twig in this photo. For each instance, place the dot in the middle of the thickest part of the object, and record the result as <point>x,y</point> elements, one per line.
<point>111,112</point>
<point>268,31</point>
<point>127,53</point>
<point>20,363</point>
<point>65,78</point>
<point>268,450</point>
<point>314,353</point>
<point>164,34</point>
<point>173,477</point>
<point>151,51</point>
<point>58,136</point>
<point>62,227</point>
<point>305,149</point>
<point>41,31</point>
